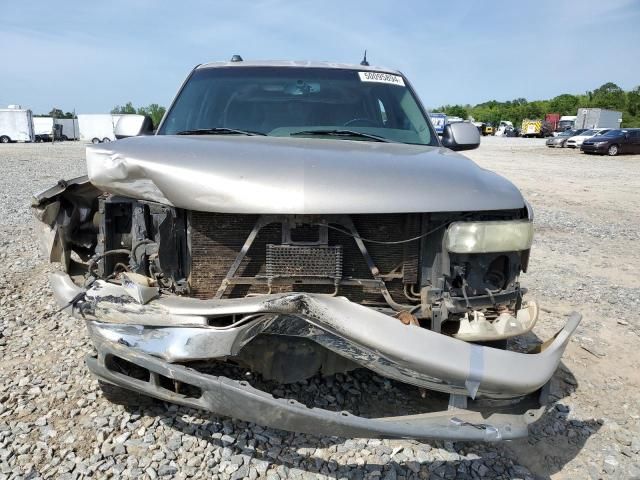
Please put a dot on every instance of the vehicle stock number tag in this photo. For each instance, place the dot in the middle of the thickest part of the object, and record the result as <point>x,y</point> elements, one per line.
<point>381,78</point>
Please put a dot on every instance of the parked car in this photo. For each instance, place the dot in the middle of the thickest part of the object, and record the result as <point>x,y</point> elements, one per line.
<point>560,139</point>
<point>614,142</point>
<point>576,140</point>
<point>297,219</point>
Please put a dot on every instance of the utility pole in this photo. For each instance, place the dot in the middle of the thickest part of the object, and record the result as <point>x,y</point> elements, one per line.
<point>53,126</point>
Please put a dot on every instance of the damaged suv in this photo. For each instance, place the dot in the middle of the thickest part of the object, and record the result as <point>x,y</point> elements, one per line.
<point>297,219</point>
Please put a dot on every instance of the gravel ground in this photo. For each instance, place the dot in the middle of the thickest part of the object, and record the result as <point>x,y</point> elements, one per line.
<point>55,421</point>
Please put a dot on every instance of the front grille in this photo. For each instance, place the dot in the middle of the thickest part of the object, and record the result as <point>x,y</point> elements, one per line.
<point>216,239</point>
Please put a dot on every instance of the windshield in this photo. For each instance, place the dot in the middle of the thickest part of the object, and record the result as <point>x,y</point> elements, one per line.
<point>281,101</point>
<point>613,133</point>
<point>568,133</point>
<point>588,133</point>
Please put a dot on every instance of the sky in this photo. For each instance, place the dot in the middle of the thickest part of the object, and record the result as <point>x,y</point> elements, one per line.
<point>90,56</point>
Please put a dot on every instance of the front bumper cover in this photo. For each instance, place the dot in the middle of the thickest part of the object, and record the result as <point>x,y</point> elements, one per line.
<point>174,329</point>
<point>237,399</point>
<point>591,148</point>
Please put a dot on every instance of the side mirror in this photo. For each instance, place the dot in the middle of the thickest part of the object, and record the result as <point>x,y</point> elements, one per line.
<point>133,125</point>
<point>461,136</point>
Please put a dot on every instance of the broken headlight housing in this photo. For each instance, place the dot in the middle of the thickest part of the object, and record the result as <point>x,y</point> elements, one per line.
<point>490,236</point>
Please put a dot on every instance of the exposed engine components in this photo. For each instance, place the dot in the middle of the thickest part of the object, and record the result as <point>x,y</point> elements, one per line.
<point>148,238</point>
<point>475,327</point>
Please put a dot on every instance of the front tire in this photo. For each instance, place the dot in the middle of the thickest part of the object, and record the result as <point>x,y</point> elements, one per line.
<point>613,150</point>
<point>4,139</point>
<point>106,140</point>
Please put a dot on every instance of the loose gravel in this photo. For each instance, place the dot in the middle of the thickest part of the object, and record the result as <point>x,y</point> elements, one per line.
<point>56,421</point>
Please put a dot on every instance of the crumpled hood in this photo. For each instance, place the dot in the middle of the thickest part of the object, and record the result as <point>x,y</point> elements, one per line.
<point>242,174</point>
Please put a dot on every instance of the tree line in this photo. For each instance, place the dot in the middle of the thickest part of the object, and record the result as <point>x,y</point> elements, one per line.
<point>155,111</point>
<point>57,113</point>
<point>609,96</point>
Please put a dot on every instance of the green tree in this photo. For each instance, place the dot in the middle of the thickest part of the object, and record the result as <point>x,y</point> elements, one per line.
<point>56,113</point>
<point>565,104</point>
<point>610,96</point>
<point>633,101</point>
<point>127,108</point>
<point>155,111</point>
<point>454,111</point>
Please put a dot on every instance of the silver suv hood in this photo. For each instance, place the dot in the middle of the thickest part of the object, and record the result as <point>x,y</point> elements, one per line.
<point>242,174</point>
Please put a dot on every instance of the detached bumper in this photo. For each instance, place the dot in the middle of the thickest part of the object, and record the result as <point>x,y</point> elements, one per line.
<point>238,399</point>
<point>167,330</point>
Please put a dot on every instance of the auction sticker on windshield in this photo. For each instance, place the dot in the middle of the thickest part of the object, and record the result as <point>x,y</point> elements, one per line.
<point>381,78</point>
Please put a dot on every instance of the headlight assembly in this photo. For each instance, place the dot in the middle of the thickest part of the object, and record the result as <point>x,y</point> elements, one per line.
<point>487,237</point>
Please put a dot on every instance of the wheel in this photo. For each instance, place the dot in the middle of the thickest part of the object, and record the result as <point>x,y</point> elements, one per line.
<point>4,139</point>
<point>613,150</point>
<point>106,140</point>
<point>65,138</point>
<point>95,140</point>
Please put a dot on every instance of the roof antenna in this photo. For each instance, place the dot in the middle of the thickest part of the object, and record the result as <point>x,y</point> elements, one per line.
<point>364,62</point>
<point>236,58</point>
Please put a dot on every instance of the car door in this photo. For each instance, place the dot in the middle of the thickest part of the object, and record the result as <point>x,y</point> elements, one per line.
<point>634,142</point>
<point>626,142</point>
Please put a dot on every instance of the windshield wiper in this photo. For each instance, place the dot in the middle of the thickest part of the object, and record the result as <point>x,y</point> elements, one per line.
<point>342,133</point>
<point>219,131</point>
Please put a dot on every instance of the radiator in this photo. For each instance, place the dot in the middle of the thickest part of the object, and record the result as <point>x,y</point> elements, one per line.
<point>216,239</point>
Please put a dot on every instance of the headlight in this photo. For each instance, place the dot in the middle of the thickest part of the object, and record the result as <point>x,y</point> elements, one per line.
<point>599,144</point>
<point>486,237</point>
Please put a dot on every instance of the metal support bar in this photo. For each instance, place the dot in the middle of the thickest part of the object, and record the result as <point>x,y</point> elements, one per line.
<point>243,252</point>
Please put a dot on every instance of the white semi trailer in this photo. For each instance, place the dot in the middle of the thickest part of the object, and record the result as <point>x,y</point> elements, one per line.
<point>597,118</point>
<point>42,128</point>
<point>96,128</point>
<point>16,125</point>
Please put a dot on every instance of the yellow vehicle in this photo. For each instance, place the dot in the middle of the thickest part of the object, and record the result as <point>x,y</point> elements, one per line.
<point>484,128</point>
<point>531,128</point>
